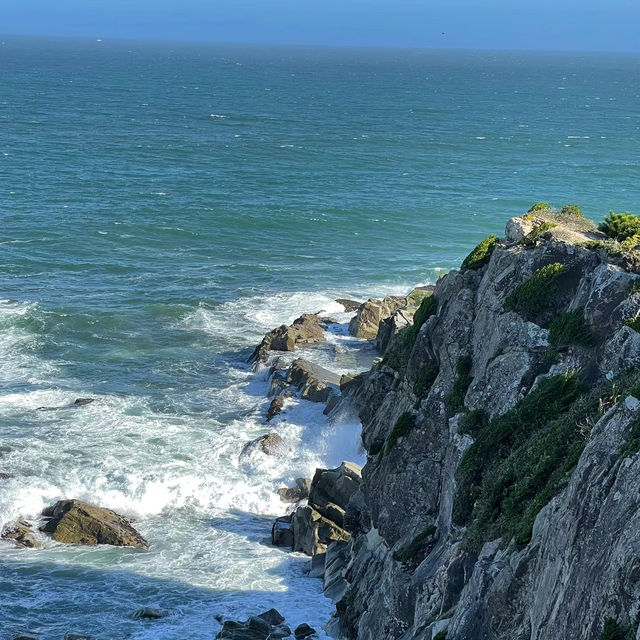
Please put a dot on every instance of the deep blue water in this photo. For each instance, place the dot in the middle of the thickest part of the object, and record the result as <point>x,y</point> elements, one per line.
<point>163,205</point>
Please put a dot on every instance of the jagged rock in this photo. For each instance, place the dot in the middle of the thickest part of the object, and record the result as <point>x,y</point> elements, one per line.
<point>275,407</point>
<point>6,476</point>
<point>270,444</point>
<point>22,534</point>
<point>297,493</point>
<point>312,532</point>
<point>304,631</point>
<point>349,305</point>
<point>266,626</point>
<point>331,490</point>
<point>76,522</point>
<point>390,326</point>
<point>78,402</point>
<point>316,570</point>
<point>581,565</point>
<point>366,321</point>
<point>307,329</point>
<point>315,383</point>
<point>282,532</point>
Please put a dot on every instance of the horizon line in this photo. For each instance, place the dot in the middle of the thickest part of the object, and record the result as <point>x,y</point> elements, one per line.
<point>387,47</point>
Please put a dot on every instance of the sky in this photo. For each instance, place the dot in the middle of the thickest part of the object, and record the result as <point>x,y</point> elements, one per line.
<point>555,25</point>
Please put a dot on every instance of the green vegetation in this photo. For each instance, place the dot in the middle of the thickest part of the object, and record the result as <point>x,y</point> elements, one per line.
<point>426,378</point>
<point>634,286</point>
<point>537,293</point>
<point>550,358</point>
<point>634,323</point>
<point>518,461</point>
<point>404,424</point>
<point>375,448</point>
<point>455,400</point>
<point>614,631</point>
<point>571,210</point>
<point>531,239</point>
<point>399,350</point>
<point>632,445</point>
<point>473,421</point>
<point>417,546</point>
<point>620,226</point>
<point>481,254</point>
<point>570,328</point>
<point>539,206</point>
<point>441,635</point>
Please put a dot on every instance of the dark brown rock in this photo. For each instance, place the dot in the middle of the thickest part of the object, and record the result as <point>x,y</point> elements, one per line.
<point>77,522</point>
<point>315,383</point>
<point>349,305</point>
<point>297,493</point>
<point>22,534</point>
<point>282,532</point>
<point>275,407</point>
<point>271,444</point>
<point>304,631</point>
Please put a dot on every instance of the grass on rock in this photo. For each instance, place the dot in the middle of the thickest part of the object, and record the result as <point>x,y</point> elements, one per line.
<point>570,328</point>
<point>537,293</point>
<point>480,254</point>
<point>620,226</point>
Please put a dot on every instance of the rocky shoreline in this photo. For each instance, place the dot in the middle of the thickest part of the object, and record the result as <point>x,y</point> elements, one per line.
<point>501,427</point>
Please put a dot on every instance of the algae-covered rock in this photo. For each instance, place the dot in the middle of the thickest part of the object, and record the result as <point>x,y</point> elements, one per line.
<point>77,522</point>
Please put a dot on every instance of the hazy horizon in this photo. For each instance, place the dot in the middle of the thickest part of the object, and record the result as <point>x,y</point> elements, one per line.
<point>456,24</point>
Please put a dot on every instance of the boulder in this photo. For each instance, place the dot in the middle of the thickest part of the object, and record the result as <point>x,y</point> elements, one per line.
<point>275,407</point>
<point>297,493</point>
<point>270,444</point>
<point>21,533</point>
<point>307,329</point>
<point>304,631</point>
<point>282,532</point>
<point>315,383</point>
<point>76,522</point>
<point>331,490</point>
<point>349,305</point>
<point>266,626</point>
<point>312,532</point>
<point>366,321</point>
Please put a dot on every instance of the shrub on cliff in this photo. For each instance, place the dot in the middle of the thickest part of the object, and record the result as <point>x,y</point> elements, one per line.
<point>417,549</point>
<point>614,631</point>
<point>480,254</point>
<point>620,226</point>
<point>536,293</point>
<point>426,378</point>
<point>455,400</point>
<point>570,328</point>
<point>634,323</point>
<point>571,210</point>
<point>532,238</point>
<point>539,206</point>
<point>404,424</point>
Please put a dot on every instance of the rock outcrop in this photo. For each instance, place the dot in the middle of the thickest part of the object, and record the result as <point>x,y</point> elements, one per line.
<point>314,382</point>
<point>369,315</point>
<point>76,522</point>
<point>269,625</point>
<point>22,534</point>
<point>307,329</point>
<point>310,528</point>
<point>499,499</point>
<point>270,444</point>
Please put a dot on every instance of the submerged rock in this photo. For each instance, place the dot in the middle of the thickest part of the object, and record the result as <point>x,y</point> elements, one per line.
<point>147,613</point>
<point>270,444</point>
<point>77,522</point>
<point>6,476</point>
<point>78,402</point>
<point>22,534</point>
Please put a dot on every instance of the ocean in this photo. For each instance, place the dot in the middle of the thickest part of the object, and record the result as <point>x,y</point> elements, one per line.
<point>163,206</point>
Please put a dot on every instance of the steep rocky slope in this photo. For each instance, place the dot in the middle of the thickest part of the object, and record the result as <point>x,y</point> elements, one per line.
<point>500,495</point>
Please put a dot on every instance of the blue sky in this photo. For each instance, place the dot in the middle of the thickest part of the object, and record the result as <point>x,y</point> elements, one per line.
<point>591,25</point>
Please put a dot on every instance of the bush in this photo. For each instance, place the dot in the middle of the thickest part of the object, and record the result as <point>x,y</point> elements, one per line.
<point>473,421</point>
<point>426,378</point>
<point>536,293</point>
<point>620,226</point>
<point>539,206</point>
<point>419,544</point>
<point>497,441</point>
<point>480,254</point>
<point>531,239</point>
<point>427,308</point>
<point>570,328</point>
<point>441,635</point>
<point>634,286</point>
<point>571,210</point>
<point>455,400</point>
<point>404,424</point>
<point>614,631</point>
<point>634,323</point>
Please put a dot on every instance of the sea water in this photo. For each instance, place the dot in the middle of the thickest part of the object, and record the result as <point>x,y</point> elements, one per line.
<point>162,207</point>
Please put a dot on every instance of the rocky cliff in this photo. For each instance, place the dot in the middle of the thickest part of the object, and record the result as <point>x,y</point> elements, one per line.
<point>500,496</point>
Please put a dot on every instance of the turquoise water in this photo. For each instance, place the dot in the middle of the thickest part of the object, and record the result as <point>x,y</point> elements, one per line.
<point>162,206</point>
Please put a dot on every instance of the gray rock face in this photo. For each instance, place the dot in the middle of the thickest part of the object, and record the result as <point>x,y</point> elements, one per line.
<point>410,572</point>
<point>314,382</point>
